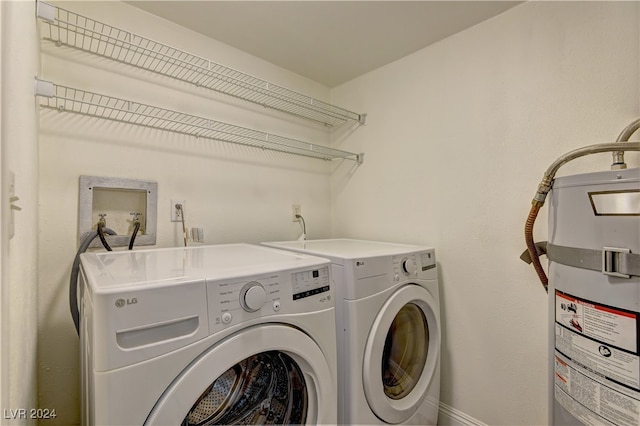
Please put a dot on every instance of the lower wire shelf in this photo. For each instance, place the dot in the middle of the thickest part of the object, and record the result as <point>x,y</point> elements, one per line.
<point>68,99</point>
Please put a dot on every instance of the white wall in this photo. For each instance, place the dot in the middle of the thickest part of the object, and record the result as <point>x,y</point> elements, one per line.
<point>19,255</point>
<point>235,193</point>
<point>457,138</point>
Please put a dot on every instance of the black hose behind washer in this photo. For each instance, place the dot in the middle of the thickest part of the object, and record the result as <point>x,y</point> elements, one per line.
<point>75,271</point>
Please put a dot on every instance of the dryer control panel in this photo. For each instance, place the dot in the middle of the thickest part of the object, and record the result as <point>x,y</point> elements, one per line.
<point>414,265</point>
<point>371,275</point>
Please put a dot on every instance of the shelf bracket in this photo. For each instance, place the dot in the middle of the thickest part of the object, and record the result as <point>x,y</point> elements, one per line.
<point>46,11</point>
<point>44,88</point>
<point>363,119</point>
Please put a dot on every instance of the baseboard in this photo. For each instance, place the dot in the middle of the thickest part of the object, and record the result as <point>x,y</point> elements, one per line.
<point>448,415</point>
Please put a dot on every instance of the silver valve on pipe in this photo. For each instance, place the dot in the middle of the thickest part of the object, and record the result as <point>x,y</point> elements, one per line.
<point>618,156</point>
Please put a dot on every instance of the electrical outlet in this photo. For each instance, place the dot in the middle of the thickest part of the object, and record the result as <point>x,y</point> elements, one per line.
<point>176,213</point>
<point>296,209</point>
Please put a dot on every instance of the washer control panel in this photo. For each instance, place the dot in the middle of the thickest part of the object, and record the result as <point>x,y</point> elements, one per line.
<point>310,283</point>
<point>247,298</point>
<point>252,296</point>
<point>244,296</point>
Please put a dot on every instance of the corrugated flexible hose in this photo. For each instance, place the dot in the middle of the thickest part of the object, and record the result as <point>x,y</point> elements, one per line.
<point>531,246</point>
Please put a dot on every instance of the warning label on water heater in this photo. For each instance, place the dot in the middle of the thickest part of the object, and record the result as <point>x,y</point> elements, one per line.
<point>605,324</point>
<point>597,362</point>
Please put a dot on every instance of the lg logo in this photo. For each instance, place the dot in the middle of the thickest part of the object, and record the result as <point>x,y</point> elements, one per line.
<point>121,303</point>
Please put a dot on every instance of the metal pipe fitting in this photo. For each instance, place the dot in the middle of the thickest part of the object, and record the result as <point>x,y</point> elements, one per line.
<point>547,181</point>
<point>618,156</point>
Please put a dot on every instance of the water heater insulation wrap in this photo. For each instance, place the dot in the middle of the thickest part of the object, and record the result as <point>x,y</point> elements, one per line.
<point>594,317</point>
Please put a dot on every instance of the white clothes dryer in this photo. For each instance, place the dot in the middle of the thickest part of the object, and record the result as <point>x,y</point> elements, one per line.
<point>388,329</point>
<point>207,335</point>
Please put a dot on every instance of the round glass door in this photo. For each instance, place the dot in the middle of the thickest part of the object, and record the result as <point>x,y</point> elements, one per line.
<point>266,388</point>
<point>405,353</point>
<point>401,354</point>
<point>265,374</point>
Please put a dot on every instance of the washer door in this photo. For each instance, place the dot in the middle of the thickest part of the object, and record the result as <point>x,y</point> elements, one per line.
<point>264,374</point>
<point>401,354</point>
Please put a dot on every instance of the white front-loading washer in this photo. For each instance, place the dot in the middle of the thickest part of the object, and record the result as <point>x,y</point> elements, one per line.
<point>388,329</point>
<point>207,335</point>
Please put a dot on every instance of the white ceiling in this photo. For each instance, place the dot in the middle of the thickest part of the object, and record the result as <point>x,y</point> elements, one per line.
<point>327,41</point>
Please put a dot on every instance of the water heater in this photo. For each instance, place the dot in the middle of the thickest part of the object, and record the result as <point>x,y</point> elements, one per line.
<point>594,298</point>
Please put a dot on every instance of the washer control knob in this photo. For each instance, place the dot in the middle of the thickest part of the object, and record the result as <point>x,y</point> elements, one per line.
<point>226,318</point>
<point>409,267</point>
<point>252,296</point>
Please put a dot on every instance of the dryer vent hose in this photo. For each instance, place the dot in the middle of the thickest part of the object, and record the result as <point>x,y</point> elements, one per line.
<point>547,182</point>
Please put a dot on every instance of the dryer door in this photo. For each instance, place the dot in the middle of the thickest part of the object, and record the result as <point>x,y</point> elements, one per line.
<point>263,374</point>
<point>401,354</point>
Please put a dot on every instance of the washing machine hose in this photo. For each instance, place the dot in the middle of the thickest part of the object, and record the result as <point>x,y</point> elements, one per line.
<point>103,239</point>
<point>136,228</point>
<point>75,271</point>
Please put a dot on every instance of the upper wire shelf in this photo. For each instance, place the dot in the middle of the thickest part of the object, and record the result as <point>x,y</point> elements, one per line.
<point>63,98</point>
<point>68,28</point>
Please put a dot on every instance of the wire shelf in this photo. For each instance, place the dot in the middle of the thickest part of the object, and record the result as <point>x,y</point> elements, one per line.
<point>64,27</point>
<point>67,99</point>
